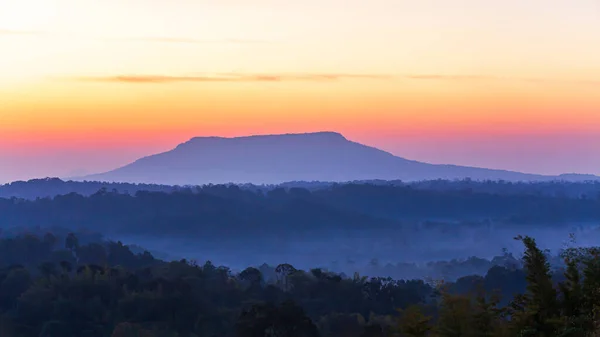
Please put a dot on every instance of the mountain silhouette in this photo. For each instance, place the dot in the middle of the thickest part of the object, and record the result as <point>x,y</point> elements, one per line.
<point>272,159</point>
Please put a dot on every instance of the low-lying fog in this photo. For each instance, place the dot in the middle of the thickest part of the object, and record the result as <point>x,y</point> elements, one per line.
<point>398,254</point>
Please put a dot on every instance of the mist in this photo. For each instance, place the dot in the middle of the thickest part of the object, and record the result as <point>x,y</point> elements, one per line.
<point>394,253</point>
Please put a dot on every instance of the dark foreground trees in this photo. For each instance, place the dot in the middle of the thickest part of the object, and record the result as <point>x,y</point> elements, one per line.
<point>55,288</point>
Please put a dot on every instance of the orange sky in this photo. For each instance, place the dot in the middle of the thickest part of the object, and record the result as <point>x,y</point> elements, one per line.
<point>505,84</point>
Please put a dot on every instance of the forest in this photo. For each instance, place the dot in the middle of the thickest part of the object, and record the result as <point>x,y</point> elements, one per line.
<point>373,228</point>
<point>215,208</point>
<point>51,187</point>
<point>66,271</point>
<point>58,285</point>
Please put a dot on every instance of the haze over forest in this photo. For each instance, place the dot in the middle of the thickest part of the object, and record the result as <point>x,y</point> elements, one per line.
<point>311,198</point>
<point>344,227</point>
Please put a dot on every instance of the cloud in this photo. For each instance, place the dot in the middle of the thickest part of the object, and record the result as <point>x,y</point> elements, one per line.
<point>322,77</point>
<point>500,78</point>
<point>450,77</point>
<point>231,78</point>
<point>556,81</point>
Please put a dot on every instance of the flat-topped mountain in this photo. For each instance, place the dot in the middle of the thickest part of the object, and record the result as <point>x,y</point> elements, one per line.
<point>271,159</point>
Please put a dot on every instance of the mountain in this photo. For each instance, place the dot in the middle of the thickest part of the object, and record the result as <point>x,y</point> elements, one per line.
<point>272,159</point>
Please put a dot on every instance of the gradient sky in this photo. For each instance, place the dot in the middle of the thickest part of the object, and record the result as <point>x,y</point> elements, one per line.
<point>89,85</point>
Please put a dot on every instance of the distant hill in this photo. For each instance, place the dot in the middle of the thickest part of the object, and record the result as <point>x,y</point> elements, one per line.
<point>573,177</point>
<point>273,159</point>
<point>51,187</point>
<point>218,214</point>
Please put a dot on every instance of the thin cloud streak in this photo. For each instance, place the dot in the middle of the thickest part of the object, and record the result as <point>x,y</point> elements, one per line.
<point>232,78</point>
<point>436,77</point>
<point>323,77</point>
<point>572,82</point>
<point>451,77</point>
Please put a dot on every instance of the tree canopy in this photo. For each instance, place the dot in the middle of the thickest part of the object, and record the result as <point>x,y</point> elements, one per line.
<point>52,286</point>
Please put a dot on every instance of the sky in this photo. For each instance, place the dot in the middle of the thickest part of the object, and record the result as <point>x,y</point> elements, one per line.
<point>88,85</point>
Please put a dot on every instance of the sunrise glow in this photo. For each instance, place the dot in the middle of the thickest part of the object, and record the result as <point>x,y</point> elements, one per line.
<point>429,80</point>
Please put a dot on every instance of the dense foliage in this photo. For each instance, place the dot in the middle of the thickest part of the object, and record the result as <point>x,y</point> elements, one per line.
<point>224,209</point>
<point>51,187</point>
<point>51,286</point>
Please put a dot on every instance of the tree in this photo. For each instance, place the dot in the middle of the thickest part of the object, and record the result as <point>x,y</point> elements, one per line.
<point>285,320</point>
<point>66,267</point>
<point>50,240</point>
<point>253,276</point>
<point>487,316</point>
<point>71,242</point>
<point>373,330</point>
<point>413,322</point>
<point>283,272</point>
<point>342,325</point>
<point>455,317</point>
<point>48,269</point>
<point>539,308</point>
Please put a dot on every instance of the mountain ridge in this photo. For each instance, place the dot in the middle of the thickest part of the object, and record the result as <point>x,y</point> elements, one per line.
<point>277,158</point>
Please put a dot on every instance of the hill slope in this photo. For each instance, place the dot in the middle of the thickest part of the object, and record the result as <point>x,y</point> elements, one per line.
<point>271,159</point>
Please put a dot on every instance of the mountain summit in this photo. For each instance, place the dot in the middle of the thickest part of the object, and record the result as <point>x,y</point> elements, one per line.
<point>320,156</point>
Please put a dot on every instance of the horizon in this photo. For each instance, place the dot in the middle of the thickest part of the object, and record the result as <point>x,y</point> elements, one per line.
<point>439,82</point>
<point>75,174</point>
<point>250,136</point>
<point>311,168</point>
